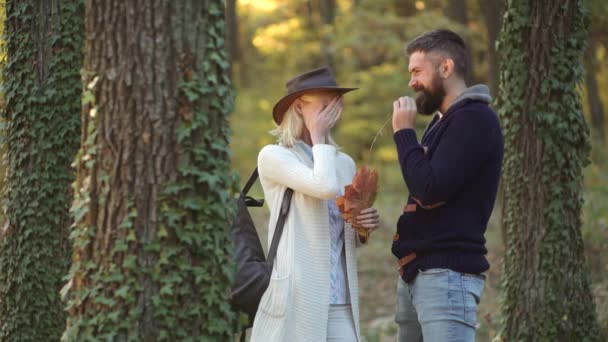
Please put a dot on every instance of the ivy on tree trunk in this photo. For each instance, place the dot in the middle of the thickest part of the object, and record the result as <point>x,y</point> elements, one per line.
<point>547,294</point>
<point>152,255</point>
<point>42,92</point>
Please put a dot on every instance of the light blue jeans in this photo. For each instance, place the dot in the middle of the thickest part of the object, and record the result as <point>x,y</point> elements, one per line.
<point>440,305</point>
<point>340,324</point>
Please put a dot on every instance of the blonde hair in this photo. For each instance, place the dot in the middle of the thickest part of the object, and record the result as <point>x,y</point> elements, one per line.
<point>291,128</point>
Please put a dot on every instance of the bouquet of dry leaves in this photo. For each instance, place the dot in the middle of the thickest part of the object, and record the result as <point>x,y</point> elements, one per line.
<point>359,195</point>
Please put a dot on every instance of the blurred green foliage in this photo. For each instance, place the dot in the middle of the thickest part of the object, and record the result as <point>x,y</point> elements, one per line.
<point>280,39</point>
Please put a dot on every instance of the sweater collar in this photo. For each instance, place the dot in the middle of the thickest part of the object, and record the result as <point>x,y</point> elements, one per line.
<point>478,92</point>
<point>306,148</point>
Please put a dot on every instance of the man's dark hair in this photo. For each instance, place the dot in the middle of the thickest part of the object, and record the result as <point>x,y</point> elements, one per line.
<point>443,42</point>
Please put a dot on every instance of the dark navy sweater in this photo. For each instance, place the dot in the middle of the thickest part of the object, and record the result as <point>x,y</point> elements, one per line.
<point>452,176</point>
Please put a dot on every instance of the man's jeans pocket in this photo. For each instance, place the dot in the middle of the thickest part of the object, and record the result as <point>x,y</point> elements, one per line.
<point>434,272</point>
<point>472,288</point>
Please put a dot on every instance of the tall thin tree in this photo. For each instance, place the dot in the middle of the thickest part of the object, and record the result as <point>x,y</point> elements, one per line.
<point>42,91</point>
<point>457,10</point>
<point>546,280</point>
<point>152,255</point>
<point>327,13</point>
<point>232,34</point>
<point>598,34</point>
<point>492,11</point>
<point>594,100</point>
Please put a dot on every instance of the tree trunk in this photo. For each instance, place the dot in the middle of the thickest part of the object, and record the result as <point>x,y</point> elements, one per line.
<point>546,279</point>
<point>310,15</point>
<point>593,97</point>
<point>457,11</point>
<point>405,8</point>
<point>42,89</point>
<point>2,117</point>
<point>232,35</point>
<point>328,13</point>
<point>492,11</point>
<point>152,255</point>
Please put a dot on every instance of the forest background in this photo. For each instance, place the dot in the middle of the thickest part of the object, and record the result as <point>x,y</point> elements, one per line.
<point>363,41</point>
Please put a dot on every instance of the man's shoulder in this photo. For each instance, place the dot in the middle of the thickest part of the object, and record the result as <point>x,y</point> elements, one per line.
<point>478,112</point>
<point>471,105</point>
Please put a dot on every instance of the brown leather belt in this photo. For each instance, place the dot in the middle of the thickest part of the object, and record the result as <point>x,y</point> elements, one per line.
<point>405,260</point>
<point>428,207</point>
<point>409,208</point>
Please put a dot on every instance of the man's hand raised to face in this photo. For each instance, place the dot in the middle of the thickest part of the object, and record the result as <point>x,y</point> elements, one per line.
<point>404,113</point>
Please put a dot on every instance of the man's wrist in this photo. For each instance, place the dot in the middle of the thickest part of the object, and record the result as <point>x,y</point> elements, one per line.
<point>410,133</point>
<point>397,129</point>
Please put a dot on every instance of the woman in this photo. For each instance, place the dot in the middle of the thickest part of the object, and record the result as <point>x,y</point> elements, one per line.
<point>312,295</point>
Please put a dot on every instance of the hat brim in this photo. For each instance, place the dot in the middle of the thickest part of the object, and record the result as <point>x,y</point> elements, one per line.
<point>278,112</point>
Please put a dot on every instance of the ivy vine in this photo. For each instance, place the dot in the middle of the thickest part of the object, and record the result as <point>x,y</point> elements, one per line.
<point>547,293</point>
<point>184,277</point>
<point>42,92</point>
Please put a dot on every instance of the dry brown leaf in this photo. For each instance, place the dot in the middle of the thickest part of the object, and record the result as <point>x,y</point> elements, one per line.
<point>359,195</point>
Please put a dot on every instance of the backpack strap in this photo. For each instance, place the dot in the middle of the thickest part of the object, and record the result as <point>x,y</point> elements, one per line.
<point>250,182</point>
<point>250,201</point>
<point>278,231</point>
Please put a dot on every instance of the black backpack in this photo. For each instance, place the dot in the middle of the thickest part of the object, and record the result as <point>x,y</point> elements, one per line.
<point>253,270</point>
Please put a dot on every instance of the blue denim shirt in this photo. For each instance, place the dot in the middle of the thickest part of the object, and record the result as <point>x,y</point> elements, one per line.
<point>338,281</point>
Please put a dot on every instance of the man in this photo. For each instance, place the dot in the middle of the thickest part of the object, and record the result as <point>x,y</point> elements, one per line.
<point>452,175</point>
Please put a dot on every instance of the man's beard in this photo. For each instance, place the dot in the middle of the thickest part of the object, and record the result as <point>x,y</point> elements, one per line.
<point>428,101</point>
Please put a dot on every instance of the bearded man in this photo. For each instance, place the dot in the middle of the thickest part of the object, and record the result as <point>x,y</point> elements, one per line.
<point>452,176</point>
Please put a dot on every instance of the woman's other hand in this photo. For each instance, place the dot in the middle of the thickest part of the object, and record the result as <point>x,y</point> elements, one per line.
<point>369,218</point>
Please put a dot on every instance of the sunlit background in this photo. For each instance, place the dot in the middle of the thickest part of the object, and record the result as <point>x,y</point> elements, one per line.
<point>364,41</point>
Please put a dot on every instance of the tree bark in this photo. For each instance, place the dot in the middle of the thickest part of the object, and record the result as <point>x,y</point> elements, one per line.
<point>546,279</point>
<point>593,97</point>
<point>492,11</point>
<point>152,255</point>
<point>42,83</point>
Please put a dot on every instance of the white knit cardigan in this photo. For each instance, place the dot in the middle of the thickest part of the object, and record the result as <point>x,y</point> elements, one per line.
<point>296,304</point>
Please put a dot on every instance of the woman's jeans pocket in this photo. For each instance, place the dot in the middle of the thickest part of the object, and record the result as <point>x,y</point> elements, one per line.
<point>472,288</point>
<point>274,300</point>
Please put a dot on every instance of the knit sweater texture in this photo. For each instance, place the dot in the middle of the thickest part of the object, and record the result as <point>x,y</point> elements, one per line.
<point>295,307</point>
<point>452,175</point>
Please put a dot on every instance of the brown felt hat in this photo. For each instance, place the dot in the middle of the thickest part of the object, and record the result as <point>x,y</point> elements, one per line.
<point>317,79</point>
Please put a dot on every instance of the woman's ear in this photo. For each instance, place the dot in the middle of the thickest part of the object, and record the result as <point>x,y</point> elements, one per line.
<point>297,105</point>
